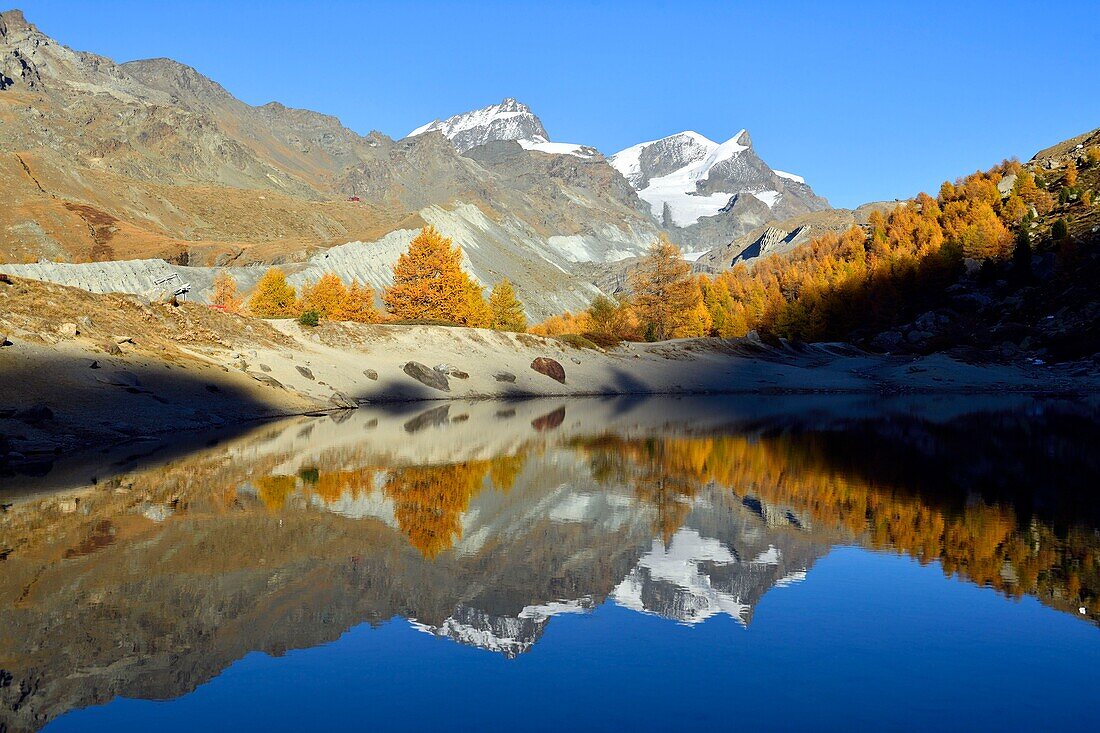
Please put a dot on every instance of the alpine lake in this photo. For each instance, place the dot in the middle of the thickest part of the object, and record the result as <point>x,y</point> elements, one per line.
<point>706,563</point>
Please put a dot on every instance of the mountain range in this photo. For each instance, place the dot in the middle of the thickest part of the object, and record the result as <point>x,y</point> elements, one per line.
<point>151,161</point>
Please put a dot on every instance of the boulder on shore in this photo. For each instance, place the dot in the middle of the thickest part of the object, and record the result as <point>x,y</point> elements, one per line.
<point>427,376</point>
<point>549,367</point>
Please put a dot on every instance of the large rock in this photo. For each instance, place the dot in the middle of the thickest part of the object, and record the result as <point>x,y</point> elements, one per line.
<point>549,367</point>
<point>343,401</point>
<point>68,330</point>
<point>427,376</point>
<point>267,379</point>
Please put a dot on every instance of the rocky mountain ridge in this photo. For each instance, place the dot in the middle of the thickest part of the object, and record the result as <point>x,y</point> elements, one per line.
<point>152,162</point>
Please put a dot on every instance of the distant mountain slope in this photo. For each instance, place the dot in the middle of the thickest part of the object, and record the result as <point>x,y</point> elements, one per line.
<point>152,160</point>
<point>509,120</point>
<point>686,176</point>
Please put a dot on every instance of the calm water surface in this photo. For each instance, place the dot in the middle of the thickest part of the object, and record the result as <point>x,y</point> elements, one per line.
<point>764,564</point>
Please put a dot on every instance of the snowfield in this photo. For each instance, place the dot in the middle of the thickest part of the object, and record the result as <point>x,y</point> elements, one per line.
<point>679,189</point>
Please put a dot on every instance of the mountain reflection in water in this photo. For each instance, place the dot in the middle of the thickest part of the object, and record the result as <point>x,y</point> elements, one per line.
<point>481,522</point>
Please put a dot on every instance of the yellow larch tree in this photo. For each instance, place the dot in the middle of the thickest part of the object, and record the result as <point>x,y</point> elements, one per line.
<point>358,305</point>
<point>326,296</point>
<point>273,296</point>
<point>1071,175</point>
<point>507,311</point>
<point>666,297</point>
<point>429,282</point>
<point>475,312</point>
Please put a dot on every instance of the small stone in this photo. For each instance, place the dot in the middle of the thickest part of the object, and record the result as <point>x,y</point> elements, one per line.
<point>451,371</point>
<point>343,401</point>
<point>94,364</point>
<point>112,348</point>
<point>124,339</point>
<point>265,368</point>
<point>35,414</point>
<point>305,372</point>
<point>504,377</point>
<point>84,321</point>
<point>4,340</point>
<point>370,374</point>
<point>267,379</point>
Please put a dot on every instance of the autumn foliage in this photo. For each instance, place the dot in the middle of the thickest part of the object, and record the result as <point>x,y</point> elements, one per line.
<point>225,293</point>
<point>334,301</point>
<point>506,310</point>
<point>273,296</point>
<point>666,298</point>
<point>430,284</point>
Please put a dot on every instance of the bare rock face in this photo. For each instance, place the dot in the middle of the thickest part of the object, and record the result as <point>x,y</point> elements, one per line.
<point>549,367</point>
<point>427,376</point>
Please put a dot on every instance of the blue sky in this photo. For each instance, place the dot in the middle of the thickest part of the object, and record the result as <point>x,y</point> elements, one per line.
<point>866,100</point>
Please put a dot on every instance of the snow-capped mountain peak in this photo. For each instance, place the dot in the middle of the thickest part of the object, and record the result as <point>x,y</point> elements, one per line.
<point>509,120</point>
<point>687,176</point>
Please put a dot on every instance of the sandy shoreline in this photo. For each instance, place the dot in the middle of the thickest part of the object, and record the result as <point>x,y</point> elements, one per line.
<point>70,395</point>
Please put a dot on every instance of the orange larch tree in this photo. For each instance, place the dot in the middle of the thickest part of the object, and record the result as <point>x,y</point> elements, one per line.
<point>273,296</point>
<point>326,296</point>
<point>429,283</point>
<point>225,293</point>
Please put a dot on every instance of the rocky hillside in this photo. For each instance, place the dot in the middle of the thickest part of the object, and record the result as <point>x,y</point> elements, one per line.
<point>152,160</point>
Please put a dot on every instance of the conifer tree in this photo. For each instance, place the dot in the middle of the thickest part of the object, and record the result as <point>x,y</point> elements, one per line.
<point>358,305</point>
<point>666,297</point>
<point>609,320</point>
<point>326,297</point>
<point>273,296</point>
<point>475,312</point>
<point>507,311</point>
<point>225,293</point>
<point>429,283</point>
<point>1070,179</point>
